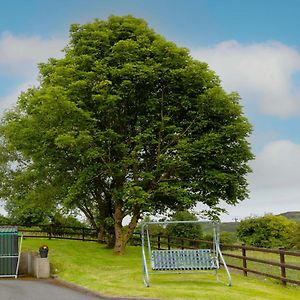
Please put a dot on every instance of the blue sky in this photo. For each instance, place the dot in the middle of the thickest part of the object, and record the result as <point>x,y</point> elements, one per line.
<point>253,46</point>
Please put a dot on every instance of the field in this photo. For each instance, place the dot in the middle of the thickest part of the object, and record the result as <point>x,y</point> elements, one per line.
<point>91,265</point>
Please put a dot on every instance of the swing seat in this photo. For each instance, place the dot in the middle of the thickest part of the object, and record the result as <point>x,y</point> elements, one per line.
<point>183,260</point>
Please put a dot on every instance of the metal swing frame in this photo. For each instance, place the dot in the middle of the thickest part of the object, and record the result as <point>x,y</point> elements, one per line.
<point>182,260</point>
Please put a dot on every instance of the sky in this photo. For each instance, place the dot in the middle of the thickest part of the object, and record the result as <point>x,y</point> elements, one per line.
<point>253,46</point>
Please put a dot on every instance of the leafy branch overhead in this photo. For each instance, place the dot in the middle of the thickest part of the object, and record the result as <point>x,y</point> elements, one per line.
<point>125,123</point>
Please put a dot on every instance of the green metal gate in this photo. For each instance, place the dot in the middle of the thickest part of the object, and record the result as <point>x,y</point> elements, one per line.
<point>9,254</point>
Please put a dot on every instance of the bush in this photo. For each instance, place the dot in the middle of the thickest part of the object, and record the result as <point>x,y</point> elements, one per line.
<point>228,238</point>
<point>296,238</point>
<point>268,231</point>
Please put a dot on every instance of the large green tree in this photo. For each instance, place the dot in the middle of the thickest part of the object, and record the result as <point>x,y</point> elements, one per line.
<point>125,123</point>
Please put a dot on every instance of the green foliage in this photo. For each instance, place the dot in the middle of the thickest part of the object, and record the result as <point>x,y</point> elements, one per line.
<point>4,220</point>
<point>125,123</point>
<point>67,221</point>
<point>268,231</point>
<point>154,229</point>
<point>229,238</point>
<point>296,238</point>
<point>184,230</point>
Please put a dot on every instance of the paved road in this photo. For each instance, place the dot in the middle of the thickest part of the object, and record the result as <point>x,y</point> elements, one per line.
<point>15,289</point>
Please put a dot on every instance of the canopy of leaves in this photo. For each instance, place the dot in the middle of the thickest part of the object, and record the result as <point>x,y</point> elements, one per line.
<point>268,231</point>
<point>4,220</point>
<point>125,123</point>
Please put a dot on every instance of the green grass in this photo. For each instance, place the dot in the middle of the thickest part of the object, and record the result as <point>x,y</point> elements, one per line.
<point>91,265</point>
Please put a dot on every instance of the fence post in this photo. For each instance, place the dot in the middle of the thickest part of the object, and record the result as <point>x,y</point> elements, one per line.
<point>83,234</point>
<point>282,266</point>
<point>169,243</point>
<point>50,232</point>
<point>244,254</point>
<point>182,244</point>
<point>158,242</point>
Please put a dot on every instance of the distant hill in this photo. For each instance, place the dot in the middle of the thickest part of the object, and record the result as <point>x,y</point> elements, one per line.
<point>224,226</point>
<point>293,215</point>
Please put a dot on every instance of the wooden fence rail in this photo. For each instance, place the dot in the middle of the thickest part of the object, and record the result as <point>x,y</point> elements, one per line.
<point>57,232</point>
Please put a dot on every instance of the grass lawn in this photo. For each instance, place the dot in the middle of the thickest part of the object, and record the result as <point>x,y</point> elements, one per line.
<point>91,265</point>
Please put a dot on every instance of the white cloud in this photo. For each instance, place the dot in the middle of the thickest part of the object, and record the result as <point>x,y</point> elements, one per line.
<point>20,54</point>
<point>8,101</point>
<point>261,72</point>
<point>274,183</point>
<point>276,166</point>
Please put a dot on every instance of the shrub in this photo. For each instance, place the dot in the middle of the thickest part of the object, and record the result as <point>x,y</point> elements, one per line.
<point>268,231</point>
<point>296,238</point>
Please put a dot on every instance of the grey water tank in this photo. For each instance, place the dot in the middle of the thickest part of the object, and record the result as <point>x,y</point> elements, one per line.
<point>8,250</point>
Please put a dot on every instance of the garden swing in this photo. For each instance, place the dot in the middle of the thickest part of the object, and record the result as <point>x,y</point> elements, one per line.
<point>181,259</point>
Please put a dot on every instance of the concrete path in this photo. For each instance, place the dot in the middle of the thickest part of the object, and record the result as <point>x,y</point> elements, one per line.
<point>14,289</point>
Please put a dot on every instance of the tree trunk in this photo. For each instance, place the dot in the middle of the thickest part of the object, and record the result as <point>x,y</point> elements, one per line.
<point>133,223</point>
<point>123,237</point>
<point>110,240</point>
<point>100,235</point>
<point>118,217</point>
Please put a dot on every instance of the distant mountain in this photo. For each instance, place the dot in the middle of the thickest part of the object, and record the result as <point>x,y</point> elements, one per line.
<point>293,215</point>
<point>224,226</point>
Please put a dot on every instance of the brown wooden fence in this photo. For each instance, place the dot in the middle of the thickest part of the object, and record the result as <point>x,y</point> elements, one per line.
<point>58,232</point>
<point>65,233</point>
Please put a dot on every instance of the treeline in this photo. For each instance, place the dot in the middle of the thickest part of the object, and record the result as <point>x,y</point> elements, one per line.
<point>57,220</point>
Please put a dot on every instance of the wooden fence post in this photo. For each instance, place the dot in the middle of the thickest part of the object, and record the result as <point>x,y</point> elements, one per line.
<point>50,232</point>
<point>158,242</point>
<point>244,254</point>
<point>83,234</point>
<point>182,244</point>
<point>169,243</point>
<point>282,266</point>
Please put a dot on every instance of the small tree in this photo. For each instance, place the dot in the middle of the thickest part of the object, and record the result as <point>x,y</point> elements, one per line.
<point>185,230</point>
<point>268,231</point>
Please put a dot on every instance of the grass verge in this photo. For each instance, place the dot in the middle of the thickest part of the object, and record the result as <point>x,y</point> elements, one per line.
<point>91,265</point>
